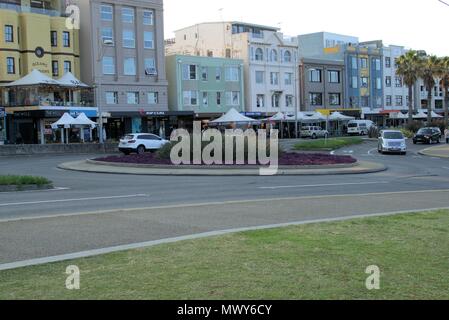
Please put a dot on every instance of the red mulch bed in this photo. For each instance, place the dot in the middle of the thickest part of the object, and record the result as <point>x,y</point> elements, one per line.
<point>286,159</point>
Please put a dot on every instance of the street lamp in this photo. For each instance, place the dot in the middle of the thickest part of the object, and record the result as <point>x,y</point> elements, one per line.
<point>106,42</point>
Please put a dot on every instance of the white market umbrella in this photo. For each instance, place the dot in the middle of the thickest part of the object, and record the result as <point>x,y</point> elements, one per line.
<point>70,81</point>
<point>337,116</point>
<point>436,116</point>
<point>65,122</point>
<point>34,78</point>
<point>280,116</point>
<point>83,120</point>
<point>233,116</point>
<point>420,115</point>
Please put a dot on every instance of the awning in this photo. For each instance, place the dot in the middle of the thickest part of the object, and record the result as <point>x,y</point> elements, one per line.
<point>83,120</point>
<point>70,81</point>
<point>233,116</point>
<point>66,121</point>
<point>337,116</point>
<point>34,78</point>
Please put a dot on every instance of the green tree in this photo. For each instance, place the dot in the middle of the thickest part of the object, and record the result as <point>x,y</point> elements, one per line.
<point>430,70</point>
<point>408,67</point>
<point>445,85</point>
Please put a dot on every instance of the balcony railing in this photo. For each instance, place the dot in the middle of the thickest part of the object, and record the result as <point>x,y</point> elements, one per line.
<point>18,8</point>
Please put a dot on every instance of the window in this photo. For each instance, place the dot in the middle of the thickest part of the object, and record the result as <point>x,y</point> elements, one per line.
<point>67,66</point>
<point>228,53</point>
<point>316,99</point>
<point>106,13</point>
<point>55,68</point>
<point>9,33</point>
<point>275,100</point>
<point>354,63</point>
<point>388,81</point>
<point>363,82</point>
<point>260,101</point>
<point>314,75</point>
<point>218,98</point>
<point>233,98</point>
<point>398,82</point>
<point>288,78</point>
<point>378,83</point>
<point>399,101</point>
<point>274,55</point>
<point>190,98</point>
<point>189,72</point>
<point>112,97</point>
<point>205,99</point>
<point>364,63</point>
<point>107,35</point>
<point>66,39</point>
<point>129,67</point>
<point>218,74</point>
<point>10,65</point>
<point>148,40</point>
<point>108,65</point>
<point>289,100</point>
<point>388,101</point>
<point>54,38</point>
<point>204,73</point>
<point>260,77</point>
<point>153,97</point>
<point>387,62</point>
<point>148,17</point>
<point>334,99</point>
<point>274,78</point>
<point>287,56</point>
<point>364,101</point>
<point>127,15</point>
<point>149,63</point>
<point>232,74</point>
<point>377,63</point>
<point>128,39</point>
<point>334,76</point>
<point>353,101</point>
<point>132,98</point>
<point>354,82</point>
<point>259,54</point>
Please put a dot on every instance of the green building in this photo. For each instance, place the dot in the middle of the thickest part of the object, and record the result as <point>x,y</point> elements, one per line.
<point>205,85</point>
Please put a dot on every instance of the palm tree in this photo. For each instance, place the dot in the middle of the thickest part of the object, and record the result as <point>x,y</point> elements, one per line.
<point>408,67</point>
<point>445,85</point>
<point>430,69</point>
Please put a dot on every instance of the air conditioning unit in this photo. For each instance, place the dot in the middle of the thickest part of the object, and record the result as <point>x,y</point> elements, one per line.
<point>151,71</point>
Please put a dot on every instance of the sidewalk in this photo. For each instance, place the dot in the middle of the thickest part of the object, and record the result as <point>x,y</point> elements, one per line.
<point>441,151</point>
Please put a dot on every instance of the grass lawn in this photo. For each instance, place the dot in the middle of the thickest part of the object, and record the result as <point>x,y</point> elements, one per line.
<point>329,144</point>
<point>317,261</point>
<point>22,180</point>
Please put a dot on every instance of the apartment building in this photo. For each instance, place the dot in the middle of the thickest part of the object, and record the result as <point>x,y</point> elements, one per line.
<point>123,57</point>
<point>205,86</point>
<point>322,84</point>
<point>270,60</point>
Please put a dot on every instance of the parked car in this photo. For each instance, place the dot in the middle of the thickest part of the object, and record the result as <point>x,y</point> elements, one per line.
<point>359,127</point>
<point>392,141</point>
<point>427,135</point>
<point>140,143</point>
<point>314,132</point>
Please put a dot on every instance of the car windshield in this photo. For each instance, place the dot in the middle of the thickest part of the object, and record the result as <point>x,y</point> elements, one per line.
<point>393,135</point>
<point>128,137</point>
<point>352,125</point>
<point>425,131</point>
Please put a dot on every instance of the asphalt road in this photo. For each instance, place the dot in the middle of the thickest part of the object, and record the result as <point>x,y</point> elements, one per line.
<point>198,204</point>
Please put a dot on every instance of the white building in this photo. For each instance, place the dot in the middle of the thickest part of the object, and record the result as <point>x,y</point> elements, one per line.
<point>395,91</point>
<point>270,60</point>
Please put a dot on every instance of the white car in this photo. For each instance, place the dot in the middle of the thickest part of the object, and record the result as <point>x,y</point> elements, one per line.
<point>140,143</point>
<point>392,141</point>
<point>314,132</point>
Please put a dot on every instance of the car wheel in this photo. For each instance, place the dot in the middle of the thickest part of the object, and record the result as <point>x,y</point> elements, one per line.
<point>140,149</point>
<point>314,136</point>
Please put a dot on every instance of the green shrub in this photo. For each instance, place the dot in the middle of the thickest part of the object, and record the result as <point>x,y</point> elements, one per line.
<point>414,126</point>
<point>23,180</point>
<point>407,133</point>
<point>373,132</point>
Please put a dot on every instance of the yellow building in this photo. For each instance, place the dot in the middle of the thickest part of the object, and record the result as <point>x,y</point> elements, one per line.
<point>33,35</point>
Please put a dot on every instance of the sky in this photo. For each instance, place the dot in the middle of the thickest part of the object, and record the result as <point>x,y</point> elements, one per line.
<point>416,24</point>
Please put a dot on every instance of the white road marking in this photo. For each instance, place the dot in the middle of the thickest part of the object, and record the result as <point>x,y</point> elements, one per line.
<point>72,200</point>
<point>326,185</point>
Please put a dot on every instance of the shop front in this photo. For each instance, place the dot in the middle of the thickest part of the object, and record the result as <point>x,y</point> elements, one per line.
<point>2,126</point>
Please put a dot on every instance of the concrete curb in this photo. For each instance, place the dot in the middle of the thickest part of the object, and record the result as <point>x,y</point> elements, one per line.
<point>20,188</point>
<point>430,152</point>
<point>92,167</point>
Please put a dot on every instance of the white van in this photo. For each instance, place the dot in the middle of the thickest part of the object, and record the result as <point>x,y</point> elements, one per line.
<point>360,127</point>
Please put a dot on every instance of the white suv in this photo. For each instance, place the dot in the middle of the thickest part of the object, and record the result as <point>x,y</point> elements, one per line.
<point>141,142</point>
<point>314,132</point>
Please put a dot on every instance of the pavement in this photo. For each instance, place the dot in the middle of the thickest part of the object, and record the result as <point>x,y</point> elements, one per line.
<point>441,151</point>
<point>102,167</point>
<point>92,211</point>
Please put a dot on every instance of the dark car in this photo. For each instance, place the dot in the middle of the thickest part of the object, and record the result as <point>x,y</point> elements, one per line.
<point>427,135</point>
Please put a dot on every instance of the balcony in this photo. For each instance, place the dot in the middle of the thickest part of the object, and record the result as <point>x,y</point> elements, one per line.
<point>20,9</point>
